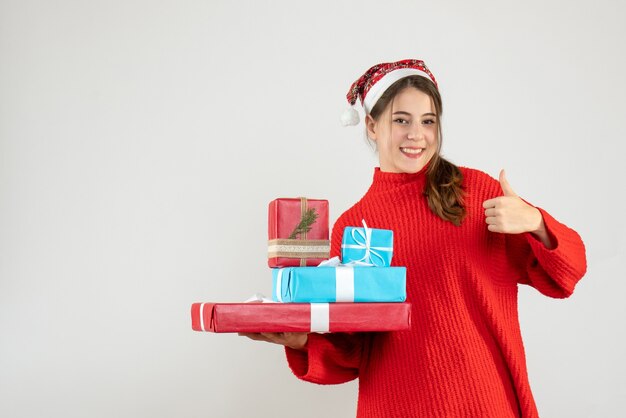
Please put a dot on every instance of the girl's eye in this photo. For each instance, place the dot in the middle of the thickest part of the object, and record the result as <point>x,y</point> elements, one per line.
<point>428,121</point>
<point>401,121</point>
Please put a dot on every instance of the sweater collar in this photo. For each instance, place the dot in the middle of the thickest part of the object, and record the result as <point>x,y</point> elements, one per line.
<point>386,181</point>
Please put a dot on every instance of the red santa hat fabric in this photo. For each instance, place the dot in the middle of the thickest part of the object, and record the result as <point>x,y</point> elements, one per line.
<point>376,80</point>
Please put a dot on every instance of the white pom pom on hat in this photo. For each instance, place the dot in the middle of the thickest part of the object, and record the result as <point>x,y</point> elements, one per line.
<point>376,80</point>
<point>350,117</point>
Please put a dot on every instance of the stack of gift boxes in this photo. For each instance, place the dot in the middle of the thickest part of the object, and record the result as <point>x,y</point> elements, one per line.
<point>362,292</point>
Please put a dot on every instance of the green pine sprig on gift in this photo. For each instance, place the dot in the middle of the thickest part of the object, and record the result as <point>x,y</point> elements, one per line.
<point>306,223</point>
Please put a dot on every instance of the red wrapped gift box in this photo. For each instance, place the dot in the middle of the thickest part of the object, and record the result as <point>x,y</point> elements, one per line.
<point>305,248</point>
<point>300,317</point>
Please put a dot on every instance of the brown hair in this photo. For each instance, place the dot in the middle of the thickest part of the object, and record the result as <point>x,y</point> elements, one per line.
<point>444,180</point>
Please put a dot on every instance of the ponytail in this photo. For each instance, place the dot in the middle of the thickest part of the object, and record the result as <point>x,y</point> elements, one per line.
<point>444,191</point>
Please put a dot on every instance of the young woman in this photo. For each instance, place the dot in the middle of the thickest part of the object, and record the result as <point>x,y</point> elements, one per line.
<point>467,241</point>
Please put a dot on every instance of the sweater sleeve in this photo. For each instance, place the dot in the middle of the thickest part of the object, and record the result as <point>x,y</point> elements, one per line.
<point>556,271</point>
<point>329,358</point>
<point>553,272</point>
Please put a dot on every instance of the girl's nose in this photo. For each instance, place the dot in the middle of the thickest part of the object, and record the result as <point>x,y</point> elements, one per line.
<point>414,133</point>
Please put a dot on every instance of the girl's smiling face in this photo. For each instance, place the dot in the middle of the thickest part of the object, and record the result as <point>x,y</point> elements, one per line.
<point>406,132</point>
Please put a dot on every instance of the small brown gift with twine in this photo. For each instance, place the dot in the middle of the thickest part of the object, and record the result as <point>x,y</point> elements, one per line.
<point>298,232</point>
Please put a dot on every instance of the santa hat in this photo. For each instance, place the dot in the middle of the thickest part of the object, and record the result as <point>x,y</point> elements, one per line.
<point>371,85</point>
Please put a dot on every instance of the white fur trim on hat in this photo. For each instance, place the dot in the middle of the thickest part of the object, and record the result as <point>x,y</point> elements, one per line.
<point>377,90</point>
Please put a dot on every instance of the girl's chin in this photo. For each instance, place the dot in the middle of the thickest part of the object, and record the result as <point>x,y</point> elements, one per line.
<point>412,166</point>
<point>413,170</point>
<point>406,165</point>
<point>405,169</point>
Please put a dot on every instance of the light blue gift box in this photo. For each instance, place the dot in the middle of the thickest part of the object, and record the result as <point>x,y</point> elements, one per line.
<point>339,284</point>
<point>368,246</point>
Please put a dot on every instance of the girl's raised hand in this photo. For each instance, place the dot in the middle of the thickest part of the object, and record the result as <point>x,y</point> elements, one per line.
<point>509,214</point>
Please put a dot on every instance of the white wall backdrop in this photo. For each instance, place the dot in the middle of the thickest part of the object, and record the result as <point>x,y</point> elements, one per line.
<point>141,141</point>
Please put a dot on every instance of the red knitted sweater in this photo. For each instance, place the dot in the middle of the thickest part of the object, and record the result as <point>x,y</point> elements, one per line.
<point>464,355</point>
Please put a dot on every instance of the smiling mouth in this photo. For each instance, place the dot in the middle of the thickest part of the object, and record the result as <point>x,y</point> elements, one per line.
<point>413,152</point>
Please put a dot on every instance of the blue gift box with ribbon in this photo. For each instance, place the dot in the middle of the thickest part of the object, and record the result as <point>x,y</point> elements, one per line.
<point>343,283</point>
<point>367,246</point>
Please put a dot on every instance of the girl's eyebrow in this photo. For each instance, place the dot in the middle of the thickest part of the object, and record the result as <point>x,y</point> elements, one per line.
<point>402,112</point>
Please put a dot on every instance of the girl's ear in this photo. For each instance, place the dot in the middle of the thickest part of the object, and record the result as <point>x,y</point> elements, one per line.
<point>370,125</point>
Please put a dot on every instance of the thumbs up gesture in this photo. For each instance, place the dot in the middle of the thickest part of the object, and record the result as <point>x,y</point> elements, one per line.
<point>509,214</point>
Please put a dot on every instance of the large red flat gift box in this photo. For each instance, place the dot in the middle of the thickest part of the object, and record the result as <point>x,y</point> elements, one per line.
<point>286,248</point>
<point>300,317</point>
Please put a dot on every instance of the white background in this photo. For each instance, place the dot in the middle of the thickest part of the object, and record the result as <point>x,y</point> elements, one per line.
<point>141,141</point>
